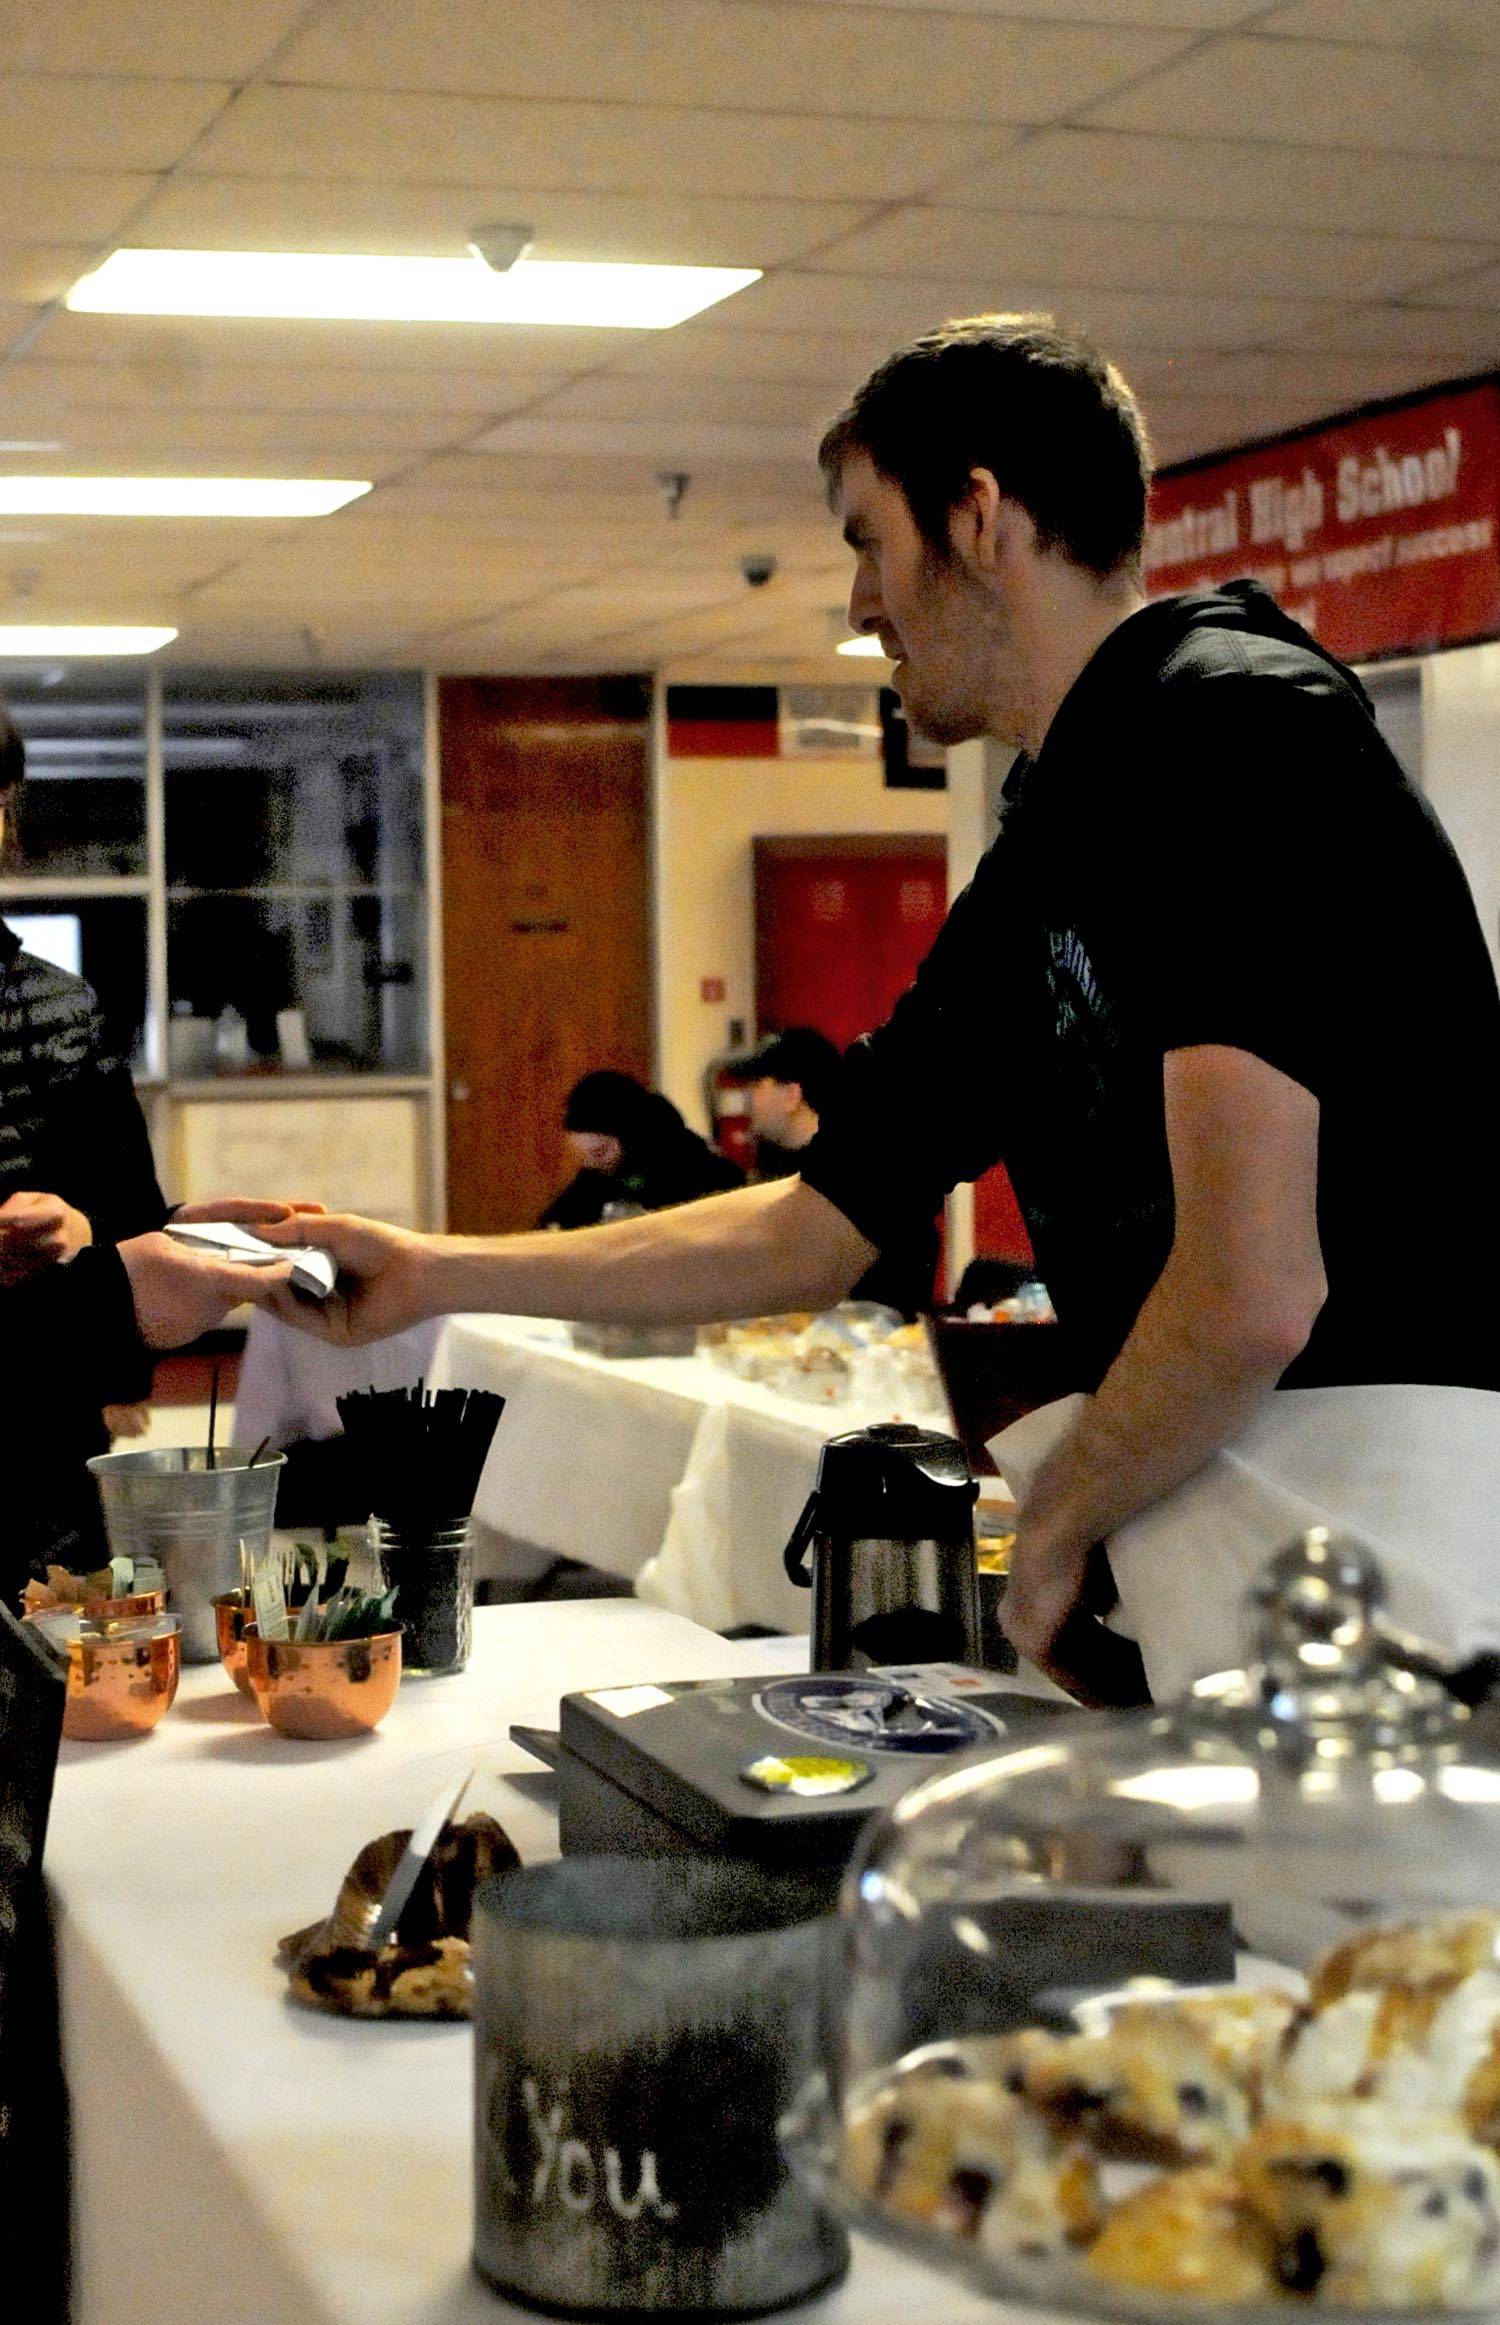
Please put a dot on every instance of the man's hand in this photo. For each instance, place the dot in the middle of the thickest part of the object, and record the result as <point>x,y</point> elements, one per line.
<point>1042,1591</point>
<point>381,1282</point>
<point>246,1211</point>
<point>180,1293</point>
<point>38,1231</point>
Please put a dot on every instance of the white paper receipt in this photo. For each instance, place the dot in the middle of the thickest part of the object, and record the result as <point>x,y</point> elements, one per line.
<point>624,1701</point>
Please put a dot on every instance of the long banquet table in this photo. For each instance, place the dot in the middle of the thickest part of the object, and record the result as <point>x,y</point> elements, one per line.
<point>666,1470</point>
<point>241,2160</point>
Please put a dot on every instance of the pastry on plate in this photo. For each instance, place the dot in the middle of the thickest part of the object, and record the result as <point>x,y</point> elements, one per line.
<point>974,2162</point>
<point>1373,2208</point>
<point>1192,2234</point>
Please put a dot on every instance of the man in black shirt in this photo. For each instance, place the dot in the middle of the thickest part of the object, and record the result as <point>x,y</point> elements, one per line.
<point>1218,946</point>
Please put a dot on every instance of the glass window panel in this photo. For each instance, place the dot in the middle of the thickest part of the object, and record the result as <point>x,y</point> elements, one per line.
<point>295,864</point>
<point>83,811</point>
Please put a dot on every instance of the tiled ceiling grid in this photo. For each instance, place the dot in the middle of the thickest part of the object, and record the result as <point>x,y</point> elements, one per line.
<point>1267,209</point>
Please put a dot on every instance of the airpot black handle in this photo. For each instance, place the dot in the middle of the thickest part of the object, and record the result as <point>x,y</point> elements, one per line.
<point>795,1557</point>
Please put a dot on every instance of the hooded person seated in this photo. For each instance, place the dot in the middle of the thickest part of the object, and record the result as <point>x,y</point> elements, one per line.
<point>631,1146</point>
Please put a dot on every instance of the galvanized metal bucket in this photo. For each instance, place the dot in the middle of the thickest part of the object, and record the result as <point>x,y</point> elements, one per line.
<point>169,1504</point>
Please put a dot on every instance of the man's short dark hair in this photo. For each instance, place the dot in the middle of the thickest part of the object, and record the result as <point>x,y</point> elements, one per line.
<point>1024,397</point>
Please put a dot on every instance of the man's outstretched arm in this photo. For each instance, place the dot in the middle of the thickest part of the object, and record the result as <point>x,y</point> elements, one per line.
<point>757,1251</point>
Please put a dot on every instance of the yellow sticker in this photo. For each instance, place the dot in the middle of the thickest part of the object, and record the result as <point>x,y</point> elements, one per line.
<point>804,1776</point>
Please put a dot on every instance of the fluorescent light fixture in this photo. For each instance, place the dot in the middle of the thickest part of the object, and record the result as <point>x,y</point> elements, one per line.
<point>870,646</point>
<point>334,287</point>
<point>30,443</point>
<point>21,640</point>
<point>175,496</point>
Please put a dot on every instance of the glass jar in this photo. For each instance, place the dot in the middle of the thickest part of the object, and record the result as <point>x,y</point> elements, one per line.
<point>432,1571</point>
<point>1195,2013</point>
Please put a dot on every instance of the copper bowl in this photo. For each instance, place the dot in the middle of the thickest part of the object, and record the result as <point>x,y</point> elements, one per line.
<point>232,1617</point>
<point>122,1682</point>
<point>322,1689</point>
<point>135,1608</point>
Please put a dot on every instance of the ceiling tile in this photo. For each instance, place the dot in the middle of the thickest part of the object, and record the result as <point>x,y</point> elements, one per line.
<point>1450,339</point>
<point>1071,252</point>
<point>831,360</point>
<point>340,443</point>
<point>112,125</point>
<point>173,347</point>
<point>761,58</point>
<point>1481,289</point>
<point>760,402</point>
<point>1187,15</point>
<point>1316,383</point>
<point>1424,26</point>
<point>36,273</point>
<point>256,213</point>
<point>1321,94</point>
<point>666,441</point>
<point>794,301</point>
<point>264,387</point>
<point>1102,173</point>
<point>212,39</point>
<point>63,205</point>
<point>591,148</point>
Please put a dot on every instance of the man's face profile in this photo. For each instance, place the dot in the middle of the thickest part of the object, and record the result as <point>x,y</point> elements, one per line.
<point>928,614</point>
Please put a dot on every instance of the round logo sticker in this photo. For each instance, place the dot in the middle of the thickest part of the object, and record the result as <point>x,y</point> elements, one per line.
<point>805,1778</point>
<point>864,1712</point>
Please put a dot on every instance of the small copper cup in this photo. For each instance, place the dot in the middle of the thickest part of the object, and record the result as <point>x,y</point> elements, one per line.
<point>135,1608</point>
<point>121,1680</point>
<point>325,1688</point>
<point>232,1618</point>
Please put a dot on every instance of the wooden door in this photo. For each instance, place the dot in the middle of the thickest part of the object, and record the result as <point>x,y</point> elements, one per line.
<point>546,923</point>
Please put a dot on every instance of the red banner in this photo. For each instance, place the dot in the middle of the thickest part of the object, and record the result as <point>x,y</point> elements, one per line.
<point>1379,533</point>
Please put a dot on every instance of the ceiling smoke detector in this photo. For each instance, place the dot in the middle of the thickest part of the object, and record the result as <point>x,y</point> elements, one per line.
<point>503,246</point>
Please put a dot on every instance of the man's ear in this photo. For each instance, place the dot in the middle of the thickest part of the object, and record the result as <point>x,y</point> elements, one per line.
<point>987,526</point>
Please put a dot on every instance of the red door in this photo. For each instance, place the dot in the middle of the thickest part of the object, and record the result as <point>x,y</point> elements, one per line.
<point>840,927</point>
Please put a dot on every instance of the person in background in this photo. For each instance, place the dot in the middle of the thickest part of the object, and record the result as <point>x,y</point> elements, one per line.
<point>86,1319</point>
<point>70,1124</point>
<point>793,1079</point>
<point>631,1146</point>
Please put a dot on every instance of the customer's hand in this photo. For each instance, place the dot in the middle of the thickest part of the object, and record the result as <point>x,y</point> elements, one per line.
<point>180,1293</point>
<point>38,1231</point>
<point>382,1278</point>
<point>244,1210</point>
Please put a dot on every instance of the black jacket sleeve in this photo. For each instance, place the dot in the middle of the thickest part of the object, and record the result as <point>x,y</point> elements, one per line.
<point>93,1151</point>
<point>76,1325</point>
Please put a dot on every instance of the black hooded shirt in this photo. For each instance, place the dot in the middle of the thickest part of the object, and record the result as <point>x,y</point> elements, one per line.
<point>1214,845</point>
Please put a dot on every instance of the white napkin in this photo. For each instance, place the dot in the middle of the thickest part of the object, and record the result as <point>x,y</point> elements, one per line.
<point>1412,1471</point>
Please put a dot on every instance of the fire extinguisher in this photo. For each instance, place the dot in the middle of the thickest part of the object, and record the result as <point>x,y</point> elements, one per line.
<point>727,1096</point>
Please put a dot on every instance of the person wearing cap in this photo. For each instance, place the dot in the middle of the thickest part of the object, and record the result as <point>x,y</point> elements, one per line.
<point>1216,927</point>
<point>793,1080</point>
<point>631,1146</point>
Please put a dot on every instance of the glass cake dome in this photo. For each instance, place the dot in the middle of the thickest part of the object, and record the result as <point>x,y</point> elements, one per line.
<point>1195,2013</point>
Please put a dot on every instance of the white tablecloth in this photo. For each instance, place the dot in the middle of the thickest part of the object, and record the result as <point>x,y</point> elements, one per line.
<point>666,1470</point>
<point>244,2162</point>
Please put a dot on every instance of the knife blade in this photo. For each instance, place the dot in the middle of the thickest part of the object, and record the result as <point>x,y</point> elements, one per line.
<point>413,1857</point>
